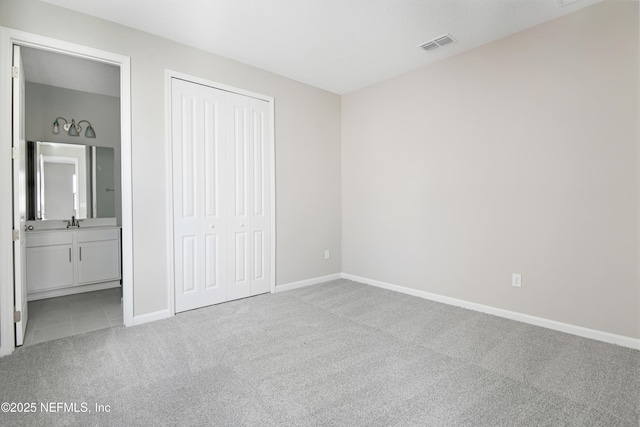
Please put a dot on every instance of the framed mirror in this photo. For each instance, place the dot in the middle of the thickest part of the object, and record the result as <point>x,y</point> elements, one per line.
<point>65,180</point>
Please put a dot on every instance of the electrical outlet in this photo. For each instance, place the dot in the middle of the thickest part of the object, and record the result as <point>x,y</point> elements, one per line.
<point>516,280</point>
<point>327,254</point>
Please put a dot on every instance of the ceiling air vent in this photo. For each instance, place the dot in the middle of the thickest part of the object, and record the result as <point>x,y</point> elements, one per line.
<point>437,42</point>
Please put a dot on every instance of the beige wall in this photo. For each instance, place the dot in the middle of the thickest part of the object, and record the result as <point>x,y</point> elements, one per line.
<point>517,156</point>
<point>307,126</point>
<point>520,156</point>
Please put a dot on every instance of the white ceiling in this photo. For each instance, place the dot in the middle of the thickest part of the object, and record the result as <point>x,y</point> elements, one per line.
<point>70,72</point>
<point>337,45</point>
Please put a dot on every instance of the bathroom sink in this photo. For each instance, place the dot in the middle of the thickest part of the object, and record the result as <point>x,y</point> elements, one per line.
<point>58,225</point>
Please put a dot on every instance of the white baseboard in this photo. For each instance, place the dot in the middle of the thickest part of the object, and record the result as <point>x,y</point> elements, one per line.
<point>164,314</point>
<point>525,318</point>
<point>52,293</point>
<point>151,317</point>
<point>308,282</point>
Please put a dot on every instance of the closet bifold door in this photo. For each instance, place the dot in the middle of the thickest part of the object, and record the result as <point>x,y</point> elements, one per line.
<point>239,161</point>
<point>249,208</point>
<point>261,202</point>
<point>200,191</point>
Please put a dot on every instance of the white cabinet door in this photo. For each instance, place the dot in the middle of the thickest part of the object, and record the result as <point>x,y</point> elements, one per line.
<point>199,195</point>
<point>49,267</point>
<point>60,263</point>
<point>98,261</point>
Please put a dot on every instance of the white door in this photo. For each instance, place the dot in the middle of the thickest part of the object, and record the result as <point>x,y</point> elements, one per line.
<point>238,206</point>
<point>261,197</point>
<point>249,204</point>
<point>19,199</point>
<point>199,194</point>
<point>222,202</point>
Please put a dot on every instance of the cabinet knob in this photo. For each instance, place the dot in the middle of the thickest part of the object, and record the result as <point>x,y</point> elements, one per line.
<point>241,225</point>
<point>212,226</point>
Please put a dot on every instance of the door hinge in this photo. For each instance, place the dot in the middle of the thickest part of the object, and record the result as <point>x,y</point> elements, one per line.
<point>17,316</point>
<point>16,235</point>
<point>15,72</point>
<point>15,153</point>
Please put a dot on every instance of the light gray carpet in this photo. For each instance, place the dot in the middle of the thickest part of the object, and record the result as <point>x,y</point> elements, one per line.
<point>339,353</point>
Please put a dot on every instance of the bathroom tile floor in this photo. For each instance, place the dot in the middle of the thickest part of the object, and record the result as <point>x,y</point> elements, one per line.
<point>54,318</point>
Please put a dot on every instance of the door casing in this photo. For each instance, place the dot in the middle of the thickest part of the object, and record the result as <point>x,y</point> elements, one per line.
<point>9,37</point>
<point>169,75</point>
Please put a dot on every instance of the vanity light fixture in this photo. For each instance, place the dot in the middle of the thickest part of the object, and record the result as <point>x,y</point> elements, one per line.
<point>72,128</point>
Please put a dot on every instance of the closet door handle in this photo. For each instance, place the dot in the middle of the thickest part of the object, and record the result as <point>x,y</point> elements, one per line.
<point>69,254</point>
<point>80,253</point>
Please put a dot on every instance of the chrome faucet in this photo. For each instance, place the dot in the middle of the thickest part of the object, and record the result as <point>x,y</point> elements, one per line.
<point>73,223</point>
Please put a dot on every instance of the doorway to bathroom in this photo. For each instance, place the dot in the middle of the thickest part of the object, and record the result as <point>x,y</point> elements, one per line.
<point>71,186</point>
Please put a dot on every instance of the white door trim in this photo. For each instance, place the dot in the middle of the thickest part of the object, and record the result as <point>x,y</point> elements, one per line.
<point>170,74</point>
<point>9,37</point>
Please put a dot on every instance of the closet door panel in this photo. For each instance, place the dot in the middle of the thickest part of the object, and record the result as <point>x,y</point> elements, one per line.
<point>214,220</point>
<point>261,197</point>
<point>239,145</point>
<point>221,155</point>
<point>199,162</point>
<point>212,266</point>
<point>185,157</point>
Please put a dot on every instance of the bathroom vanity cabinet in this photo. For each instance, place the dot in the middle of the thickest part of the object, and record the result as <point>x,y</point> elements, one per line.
<point>63,262</point>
